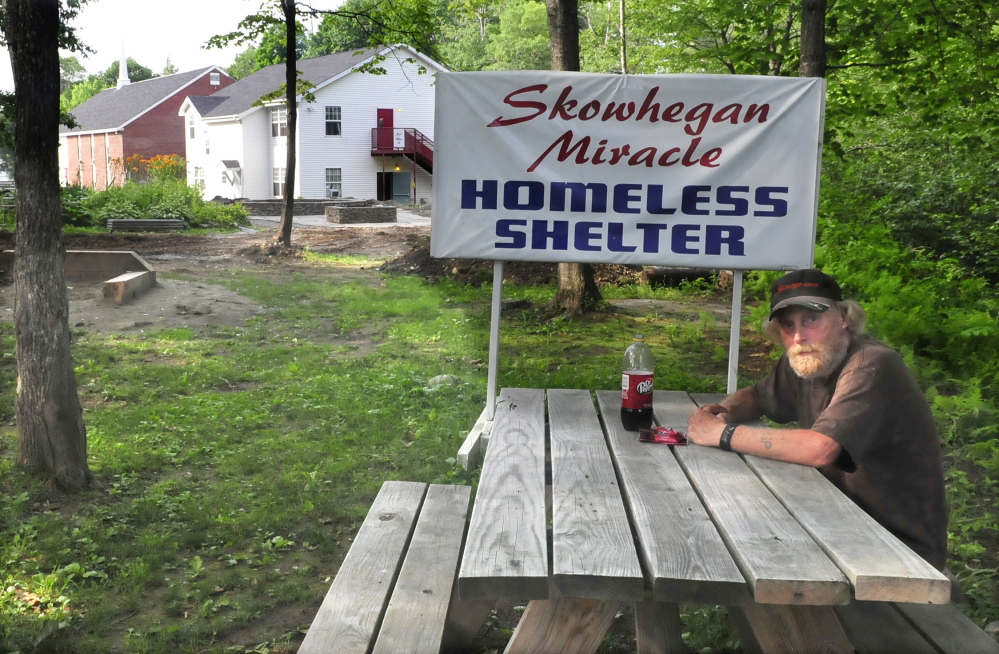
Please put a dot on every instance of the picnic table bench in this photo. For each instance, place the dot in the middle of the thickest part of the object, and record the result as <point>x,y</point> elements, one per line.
<point>394,592</point>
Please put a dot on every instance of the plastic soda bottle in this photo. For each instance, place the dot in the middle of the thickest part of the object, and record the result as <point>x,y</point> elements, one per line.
<point>637,371</point>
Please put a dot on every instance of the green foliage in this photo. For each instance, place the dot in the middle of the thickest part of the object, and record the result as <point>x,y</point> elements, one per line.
<point>341,33</point>
<point>244,63</point>
<point>166,198</point>
<point>213,214</point>
<point>520,40</point>
<point>8,213</point>
<point>272,48</point>
<point>172,206</point>
<point>357,24</point>
<point>74,213</point>
<point>119,208</point>
<point>465,34</point>
<point>71,71</point>
<point>931,191</point>
<point>79,92</point>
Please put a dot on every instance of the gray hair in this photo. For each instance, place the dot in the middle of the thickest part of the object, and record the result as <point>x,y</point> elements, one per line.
<point>852,312</point>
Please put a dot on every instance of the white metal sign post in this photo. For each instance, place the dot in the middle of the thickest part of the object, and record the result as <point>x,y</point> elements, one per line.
<point>702,171</point>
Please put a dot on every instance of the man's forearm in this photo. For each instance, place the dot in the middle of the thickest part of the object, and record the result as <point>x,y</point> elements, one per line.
<point>802,446</point>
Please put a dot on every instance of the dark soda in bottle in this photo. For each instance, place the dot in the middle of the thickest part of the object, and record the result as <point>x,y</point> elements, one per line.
<point>637,371</point>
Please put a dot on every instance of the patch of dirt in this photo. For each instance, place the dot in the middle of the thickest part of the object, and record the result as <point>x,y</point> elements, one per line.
<point>196,305</point>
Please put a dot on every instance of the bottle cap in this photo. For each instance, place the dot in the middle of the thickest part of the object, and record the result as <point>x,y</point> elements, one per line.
<point>639,337</point>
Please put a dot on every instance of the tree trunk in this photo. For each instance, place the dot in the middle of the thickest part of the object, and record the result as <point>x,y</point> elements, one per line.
<point>291,88</point>
<point>577,289</point>
<point>52,439</point>
<point>813,39</point>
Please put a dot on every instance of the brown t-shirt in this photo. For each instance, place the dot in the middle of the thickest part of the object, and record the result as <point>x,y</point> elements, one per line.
<point>874,409</point>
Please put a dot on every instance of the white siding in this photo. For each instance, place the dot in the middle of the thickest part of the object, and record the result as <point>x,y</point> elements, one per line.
<point>226,143</point>
<point>194,148</point>
<point>360,95</point>
<point>258,160</point>
<point>64,160</point>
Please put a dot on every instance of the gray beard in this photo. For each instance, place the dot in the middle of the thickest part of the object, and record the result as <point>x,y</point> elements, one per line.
<point>832,357</point>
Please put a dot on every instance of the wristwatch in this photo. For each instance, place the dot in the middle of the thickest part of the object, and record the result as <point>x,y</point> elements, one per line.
<point>726,438</point>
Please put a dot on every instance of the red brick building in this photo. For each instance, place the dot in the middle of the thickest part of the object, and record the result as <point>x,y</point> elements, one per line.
<point>134,119</point>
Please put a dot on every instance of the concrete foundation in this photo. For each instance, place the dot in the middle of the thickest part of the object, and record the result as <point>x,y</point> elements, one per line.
<point>93,266</point>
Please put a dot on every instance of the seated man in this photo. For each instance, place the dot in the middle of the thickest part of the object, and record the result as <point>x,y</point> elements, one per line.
<point>862,419</point>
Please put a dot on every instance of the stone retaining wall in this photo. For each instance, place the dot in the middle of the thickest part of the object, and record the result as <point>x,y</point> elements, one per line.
<point>348,215</point>
<point>301,208</point>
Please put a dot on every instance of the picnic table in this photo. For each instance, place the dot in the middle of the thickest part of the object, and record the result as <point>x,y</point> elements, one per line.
<point>613,520</point>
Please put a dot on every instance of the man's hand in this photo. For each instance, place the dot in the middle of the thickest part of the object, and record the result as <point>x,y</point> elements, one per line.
<point>714,409</point>
<point>706,424</point>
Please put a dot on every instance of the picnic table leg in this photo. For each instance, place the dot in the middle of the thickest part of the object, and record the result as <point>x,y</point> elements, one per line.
<point>789,629</point>
<point>657,628</point>
<point>464,619</point>
<point>563,626</point>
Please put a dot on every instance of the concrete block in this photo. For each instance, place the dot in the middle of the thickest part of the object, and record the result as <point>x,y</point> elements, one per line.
<point>129,286</point>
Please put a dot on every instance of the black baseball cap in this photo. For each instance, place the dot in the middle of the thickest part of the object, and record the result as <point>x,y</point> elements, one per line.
<point>811,289</point>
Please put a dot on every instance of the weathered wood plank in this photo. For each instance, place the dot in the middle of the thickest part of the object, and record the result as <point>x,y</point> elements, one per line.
<point>506,553</point>
<point>680,548</point>
<point>878,564</point>
<point>593,553</point>
<point>563,626</point>
<point>948,629</point>
<point>472,448</point>
<point>658,628</point>
<point>777,629</point>
<point>876,627</point>
<point>352,610</point>
<point>417,612</point>
<point>781,562</point>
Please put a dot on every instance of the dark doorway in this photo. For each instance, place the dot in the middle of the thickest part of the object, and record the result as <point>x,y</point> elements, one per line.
<point>394,186</point>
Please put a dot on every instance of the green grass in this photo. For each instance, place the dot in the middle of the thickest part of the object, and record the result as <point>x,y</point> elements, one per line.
<point>238,462</point>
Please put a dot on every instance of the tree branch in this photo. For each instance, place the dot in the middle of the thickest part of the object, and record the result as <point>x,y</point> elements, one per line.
<point>871,65</point>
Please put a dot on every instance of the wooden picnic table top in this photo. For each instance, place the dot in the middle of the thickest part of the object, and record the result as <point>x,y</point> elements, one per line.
<point>632,521</point>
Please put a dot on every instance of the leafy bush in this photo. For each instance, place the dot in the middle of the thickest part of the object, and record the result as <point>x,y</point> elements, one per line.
<point>213,214</point>
<point>172,207</point>
<point>8,216</point>
<point>74,210</point>
<point>119,209</point>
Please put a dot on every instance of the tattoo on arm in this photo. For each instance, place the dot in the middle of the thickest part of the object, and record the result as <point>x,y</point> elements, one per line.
<point>767,442</point>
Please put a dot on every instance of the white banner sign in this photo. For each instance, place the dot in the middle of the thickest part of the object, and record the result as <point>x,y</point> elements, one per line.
<point>705,171</point>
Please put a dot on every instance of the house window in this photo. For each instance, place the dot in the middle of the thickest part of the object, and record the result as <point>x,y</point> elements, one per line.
<point>279,174</point>
<point>199,178</point>
<point>190,127</point>
<point>208,149</point>
<point>333,183</point>
<point>332,123</point>
<point>214,79</point>
<point>279,121</point>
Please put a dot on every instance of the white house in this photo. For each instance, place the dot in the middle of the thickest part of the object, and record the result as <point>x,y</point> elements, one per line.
<point>365,136</point>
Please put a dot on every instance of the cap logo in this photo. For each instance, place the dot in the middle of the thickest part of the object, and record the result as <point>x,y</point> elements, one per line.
<point>791,287</point>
